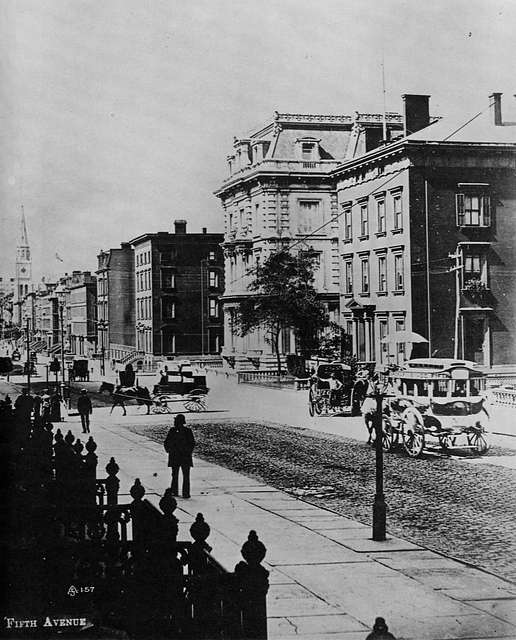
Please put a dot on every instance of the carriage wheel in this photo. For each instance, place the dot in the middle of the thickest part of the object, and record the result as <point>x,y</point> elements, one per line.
<point>445,443</point>
<point>194,405</point>
<point>311,407</point>
<point>413,436</point>
<point>480,443</point>
<point>318,406</point>
<point>387,435</point>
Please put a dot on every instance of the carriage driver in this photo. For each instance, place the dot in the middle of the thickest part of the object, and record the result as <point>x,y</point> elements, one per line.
<point>335,386</point>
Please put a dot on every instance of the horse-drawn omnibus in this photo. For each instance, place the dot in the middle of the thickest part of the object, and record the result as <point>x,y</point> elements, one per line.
<point>436,400</point>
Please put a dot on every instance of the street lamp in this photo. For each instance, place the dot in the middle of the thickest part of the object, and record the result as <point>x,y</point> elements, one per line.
<point>60,293</point>
<point>379,505</point>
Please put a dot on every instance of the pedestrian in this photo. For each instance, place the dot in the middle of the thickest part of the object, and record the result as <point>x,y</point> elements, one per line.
<point>85,410</point>
<point>179,444</point>
<point>23,406</point>
<point>45,407</point>
<point>55,407</point>
<point>380,631</point>
<point>37,409</point>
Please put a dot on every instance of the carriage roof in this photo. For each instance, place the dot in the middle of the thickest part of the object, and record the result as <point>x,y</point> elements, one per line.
<point>439,369</point>
<point>325,370</point>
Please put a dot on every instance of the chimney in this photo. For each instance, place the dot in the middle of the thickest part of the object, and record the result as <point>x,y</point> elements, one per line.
<point>204,229</point>
<point>180,227</point>
<point>495,101</point>
<point>416,112</point>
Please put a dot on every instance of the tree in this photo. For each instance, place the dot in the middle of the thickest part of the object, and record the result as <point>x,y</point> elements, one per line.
<point>284,298</point>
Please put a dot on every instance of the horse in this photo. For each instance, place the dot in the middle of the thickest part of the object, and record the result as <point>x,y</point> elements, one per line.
<point>140,394</point>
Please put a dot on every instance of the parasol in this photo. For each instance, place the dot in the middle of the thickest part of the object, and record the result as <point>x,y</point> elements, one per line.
<point>403,336</point>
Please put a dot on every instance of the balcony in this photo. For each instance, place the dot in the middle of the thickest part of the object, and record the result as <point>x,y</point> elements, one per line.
<point>475,295</point>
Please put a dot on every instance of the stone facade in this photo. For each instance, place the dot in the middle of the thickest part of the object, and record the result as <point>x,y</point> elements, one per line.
<point>280,193</point>
<point>115,302</point>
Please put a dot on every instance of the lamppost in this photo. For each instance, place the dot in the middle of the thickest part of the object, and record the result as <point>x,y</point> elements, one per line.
<point>60,293</point>
<point>379,505</point>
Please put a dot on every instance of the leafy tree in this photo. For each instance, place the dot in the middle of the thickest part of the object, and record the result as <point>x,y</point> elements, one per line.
<point>284,297</point>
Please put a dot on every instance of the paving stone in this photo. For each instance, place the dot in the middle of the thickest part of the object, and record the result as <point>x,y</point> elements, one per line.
<point>503,609</point>
<point>367,545</point>
<point>451,627</point>
<point>290,626</point>
<point>294,600</point>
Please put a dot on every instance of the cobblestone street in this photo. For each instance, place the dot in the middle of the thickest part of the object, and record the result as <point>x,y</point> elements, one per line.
<point>463,510</point>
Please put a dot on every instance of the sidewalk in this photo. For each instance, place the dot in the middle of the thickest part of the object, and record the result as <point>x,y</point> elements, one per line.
<point>329,580</point>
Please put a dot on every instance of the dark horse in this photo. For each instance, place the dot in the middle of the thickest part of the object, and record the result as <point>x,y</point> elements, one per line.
<point>140,394</point>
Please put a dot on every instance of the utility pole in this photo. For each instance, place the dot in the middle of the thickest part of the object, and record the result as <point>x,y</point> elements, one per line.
<point>202,307</point>
<point>457,268</point>
<point>62,343</point>
<point>28,363</point>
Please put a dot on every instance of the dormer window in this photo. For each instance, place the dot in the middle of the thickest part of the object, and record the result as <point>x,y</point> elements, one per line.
<point>308,149</point>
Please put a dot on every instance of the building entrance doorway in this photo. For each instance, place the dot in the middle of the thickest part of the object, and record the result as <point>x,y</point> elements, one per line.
<point>474,340</point>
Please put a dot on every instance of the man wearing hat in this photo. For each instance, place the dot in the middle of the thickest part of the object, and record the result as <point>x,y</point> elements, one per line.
<point>179,444</point>
<point>85,409</point>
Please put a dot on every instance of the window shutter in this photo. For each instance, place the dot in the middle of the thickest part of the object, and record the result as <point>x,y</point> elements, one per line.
<point>460,208</point>
<point>486,210</point>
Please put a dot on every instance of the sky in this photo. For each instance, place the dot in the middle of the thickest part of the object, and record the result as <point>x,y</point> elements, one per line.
<point>117,115</point>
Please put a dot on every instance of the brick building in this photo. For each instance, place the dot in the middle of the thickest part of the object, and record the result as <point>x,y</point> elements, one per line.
<point>427,228</point>
<point>178,280</point>
<point>115,302</point>
<point>80,312</point>
<point>280,188</point>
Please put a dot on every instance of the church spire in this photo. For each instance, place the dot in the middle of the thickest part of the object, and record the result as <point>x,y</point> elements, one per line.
<point>24,238</point>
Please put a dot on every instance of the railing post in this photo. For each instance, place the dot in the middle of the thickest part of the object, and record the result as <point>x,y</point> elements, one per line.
<point>137,492</point>
<point>252,582</point>
<point>112,482</point>
<point>168,504</point>
<point>89,467</point>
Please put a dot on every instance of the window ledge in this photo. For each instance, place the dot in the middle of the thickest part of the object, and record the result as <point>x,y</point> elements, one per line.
<point>398,292</point>
<point>396,231</point>
<point>348,295</point>
<point>365,294</point>
<point>474,226</point>
<point>347,241</point>
<point>381,293</point>
<point>381,234</point>
<point>363,237</point>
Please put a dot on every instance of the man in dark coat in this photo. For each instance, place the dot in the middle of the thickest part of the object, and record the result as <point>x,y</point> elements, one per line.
<point>85,409</point>
<point>23,406</point>
<point>179,444</point>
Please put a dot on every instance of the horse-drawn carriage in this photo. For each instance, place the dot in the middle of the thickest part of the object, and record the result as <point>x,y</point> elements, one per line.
<point>436,401</point>
<point>180,383</point>
<point>177,386</point>
<point>334,389</point>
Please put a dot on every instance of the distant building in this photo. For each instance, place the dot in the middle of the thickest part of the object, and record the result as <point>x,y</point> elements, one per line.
<point>42,307</point>
<point>280,193</point>
<point>115,302</point>
<point>23,271</point>
<point>81,312</point>
<point>426,239</point>
<point>178,280</point>
<point>6,300</point>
